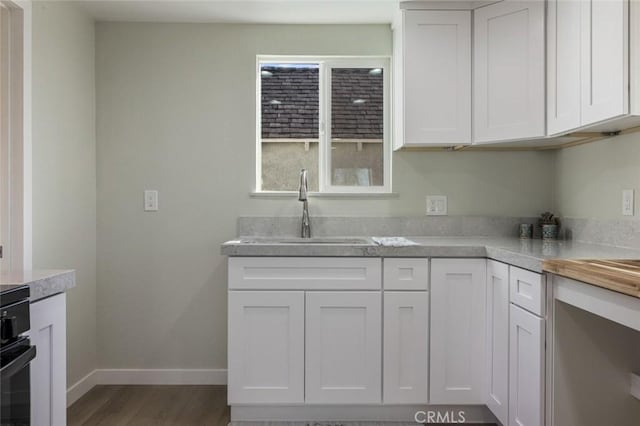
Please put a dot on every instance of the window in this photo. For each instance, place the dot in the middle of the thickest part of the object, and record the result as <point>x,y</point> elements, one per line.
<point>327,115</point>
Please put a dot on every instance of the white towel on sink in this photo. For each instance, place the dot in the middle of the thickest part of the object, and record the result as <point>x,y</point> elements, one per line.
<point>393,241</point>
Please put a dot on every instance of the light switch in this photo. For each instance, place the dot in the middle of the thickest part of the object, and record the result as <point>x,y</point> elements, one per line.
<point>150,200</point>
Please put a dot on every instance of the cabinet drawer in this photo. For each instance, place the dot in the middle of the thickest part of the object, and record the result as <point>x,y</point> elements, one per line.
<point>406,274</point>
<point>527,290</point>
<point>305,273</point>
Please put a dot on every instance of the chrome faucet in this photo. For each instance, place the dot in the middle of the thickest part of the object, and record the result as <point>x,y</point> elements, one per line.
<point>302,196</point>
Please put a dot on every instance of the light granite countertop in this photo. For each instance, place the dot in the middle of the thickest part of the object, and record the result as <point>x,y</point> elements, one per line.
<point>42,283</point>
<point>527,254</point>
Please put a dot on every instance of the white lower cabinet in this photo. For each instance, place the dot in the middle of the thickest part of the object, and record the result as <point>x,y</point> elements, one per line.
<point>474,336</point>
<point>498,340</point>
<point>406,347</point>
<point>457,347</point>
<point>526,368</point>
<point>515,345</point>
<point>343,347</point>
<point>266,347</point>
<point>48,369</point>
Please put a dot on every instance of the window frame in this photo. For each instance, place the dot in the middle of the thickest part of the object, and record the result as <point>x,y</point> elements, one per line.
<point>325,64</point>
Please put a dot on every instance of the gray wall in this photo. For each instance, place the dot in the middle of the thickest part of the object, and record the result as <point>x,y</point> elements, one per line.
<point>590,178</point>
<point>64,166</point>
<point>176,113</point>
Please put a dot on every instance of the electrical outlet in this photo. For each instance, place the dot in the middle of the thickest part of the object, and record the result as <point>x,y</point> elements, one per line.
<point>150,200</point>
<point>627,202</point>
<point>436,205</point>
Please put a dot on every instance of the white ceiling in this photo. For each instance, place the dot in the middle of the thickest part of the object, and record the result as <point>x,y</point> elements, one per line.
<point>244,11</point>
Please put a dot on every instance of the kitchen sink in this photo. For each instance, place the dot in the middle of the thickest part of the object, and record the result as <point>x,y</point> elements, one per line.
<point>314,240</point>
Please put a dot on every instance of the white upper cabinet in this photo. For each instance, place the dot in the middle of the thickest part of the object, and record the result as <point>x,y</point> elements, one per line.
<point>432,78</point>
<point>509,71</point>
<point>604,59</point>
<point>563,65</point>
<point>593,62</point>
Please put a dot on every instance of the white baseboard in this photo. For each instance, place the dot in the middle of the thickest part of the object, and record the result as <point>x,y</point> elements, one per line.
<point>145,377</point>
<point>81,387</point>
<point>161,377</point>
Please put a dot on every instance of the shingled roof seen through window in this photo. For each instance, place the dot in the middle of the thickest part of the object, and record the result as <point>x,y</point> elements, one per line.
<point>290,103</point>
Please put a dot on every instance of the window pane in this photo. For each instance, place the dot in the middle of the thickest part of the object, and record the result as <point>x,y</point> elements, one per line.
<point>357,127</point>
<point>289,110</point>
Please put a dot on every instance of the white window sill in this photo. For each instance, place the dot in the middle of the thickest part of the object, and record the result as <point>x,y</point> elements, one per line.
<point>294,194</point>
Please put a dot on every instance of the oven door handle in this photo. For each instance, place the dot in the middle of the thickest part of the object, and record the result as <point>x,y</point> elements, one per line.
<point>18,364</point>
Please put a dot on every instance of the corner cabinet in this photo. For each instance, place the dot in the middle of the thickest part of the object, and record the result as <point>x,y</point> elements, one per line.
<point>48,369</point>
<point>593,67</point>
<point>509,71</point>
<point>458,303</point>
<point>432,78</point>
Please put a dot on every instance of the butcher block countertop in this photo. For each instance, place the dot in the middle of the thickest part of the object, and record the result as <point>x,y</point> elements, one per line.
<point>622,276</point>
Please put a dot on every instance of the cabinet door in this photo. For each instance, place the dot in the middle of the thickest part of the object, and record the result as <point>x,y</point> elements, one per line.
<point>458,309</point>
<point>605,43</point>
<point>266,347</point>
<point>509,71</point>
<point>498,339</point>
<point>526,366</point>
<point>563,65</point>
<point>343,347</point>
<point>406,331</point>
<point>437,77</point>
<point>49,368</point>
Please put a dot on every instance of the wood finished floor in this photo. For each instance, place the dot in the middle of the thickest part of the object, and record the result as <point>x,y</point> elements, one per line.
<point>151,405</point>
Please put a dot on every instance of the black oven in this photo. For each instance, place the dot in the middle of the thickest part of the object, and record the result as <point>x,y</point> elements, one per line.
<point>16,353</point>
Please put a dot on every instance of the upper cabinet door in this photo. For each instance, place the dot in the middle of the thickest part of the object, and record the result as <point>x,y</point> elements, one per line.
<point>563,65</point>
<point>605,59</point>
<point>433,78</point>
<point>509,80</point>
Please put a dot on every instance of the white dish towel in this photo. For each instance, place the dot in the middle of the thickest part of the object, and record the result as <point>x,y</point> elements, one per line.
<point>393,241</point>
